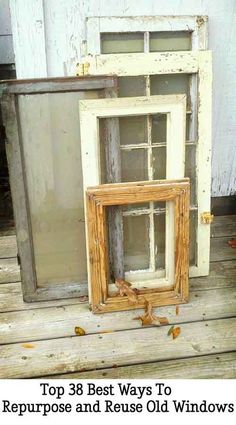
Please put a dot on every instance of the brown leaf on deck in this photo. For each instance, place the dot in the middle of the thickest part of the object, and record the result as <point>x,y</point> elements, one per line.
<point>174,331</point>
<point>125,289</point>
<point>28,345</point>
<point>150,318</point>
<point>232,243</point>
<point>79,331</point>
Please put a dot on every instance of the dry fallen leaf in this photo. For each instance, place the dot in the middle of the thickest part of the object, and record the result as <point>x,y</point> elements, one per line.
<point>174,331</point>
<point>150,318</point>
<point>177,310</point>
<point>79,331</point>
<point>28,345</point>
<point>124,288</point>
<point>232,243</point>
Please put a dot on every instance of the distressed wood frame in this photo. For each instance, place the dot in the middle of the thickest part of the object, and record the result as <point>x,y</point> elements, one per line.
<point>14,146</point>
<point>175,108</point>
<point>197,25</point>
<point>198,63</point>
<point>103,196</point>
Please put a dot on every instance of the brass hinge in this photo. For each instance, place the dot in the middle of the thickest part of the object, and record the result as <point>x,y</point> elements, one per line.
<point>82,69</point>
<point>207,218</point>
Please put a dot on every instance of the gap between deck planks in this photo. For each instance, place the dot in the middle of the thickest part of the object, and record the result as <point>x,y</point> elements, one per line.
<point>215,300</point>
<point>61,321</point>
<point>220,366</point>
<point>117,348</point>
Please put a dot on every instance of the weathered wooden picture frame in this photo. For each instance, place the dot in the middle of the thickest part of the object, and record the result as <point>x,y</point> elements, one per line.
<point>106,86</point>
<point>90,113</point>
<point>98,200</point>
<point>199,65</point>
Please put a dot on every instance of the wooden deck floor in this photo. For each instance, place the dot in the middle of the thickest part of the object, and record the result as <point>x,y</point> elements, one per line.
<point>115,345</point>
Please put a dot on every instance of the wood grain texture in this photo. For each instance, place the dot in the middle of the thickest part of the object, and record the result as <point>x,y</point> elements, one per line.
<point>220,366</point>
<point>220,249</point>
<point>9,270</point>
<point>120,348</point>
<point>57,85</point>
<point>8,247</point>
<point>224,226</point>
<point>97,199</point>
<point>60,321</point>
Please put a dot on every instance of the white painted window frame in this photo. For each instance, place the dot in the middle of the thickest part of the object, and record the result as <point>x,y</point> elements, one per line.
<point>197,25</point>
<point>175,108</point>
<point>192,62</point>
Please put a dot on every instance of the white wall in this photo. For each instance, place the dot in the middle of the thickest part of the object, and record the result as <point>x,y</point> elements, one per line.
<point>48,41</point>
<point>6,43</point>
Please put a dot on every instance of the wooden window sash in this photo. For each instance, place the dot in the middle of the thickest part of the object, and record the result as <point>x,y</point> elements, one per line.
<point>175,108</point>
<point>103,196</point>
<point>10,90</point>
<point>199,64</point>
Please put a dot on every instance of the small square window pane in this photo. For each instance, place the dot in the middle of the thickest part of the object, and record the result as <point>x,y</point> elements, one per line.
<point>134,166</point>
<point>159,163</point>
<point>171,84</point>
<point>133,130</point>
<point>160,234</point>
<point>159,122</point>
<point>136,242</point>
<point>190,171</point>
<point>170,41</point>
<point>131,86</point>
<point>122,42</point>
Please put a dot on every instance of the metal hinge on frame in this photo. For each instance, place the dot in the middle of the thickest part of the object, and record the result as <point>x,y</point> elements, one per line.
<point>207,218</point>
<point>82,69</point>
<point>18,260</point>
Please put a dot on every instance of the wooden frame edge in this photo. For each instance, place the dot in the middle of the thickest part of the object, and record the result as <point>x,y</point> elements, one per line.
<point>98,199</point>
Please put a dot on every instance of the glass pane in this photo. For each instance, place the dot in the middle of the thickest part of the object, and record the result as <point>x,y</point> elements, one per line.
<point>190,171</point>
<point>160,234</point>
<point>170,41</point>
<point>51,142</point>
<point>159,163</point>
<point>193,238</point>
<point>159,122</point>
<point>122,42</point>
<point>131,86</point>
<point>171,84</point>
<point>140,206</point>
<point>134,165</point>
<point>133,130</point>
<point>136,242</point>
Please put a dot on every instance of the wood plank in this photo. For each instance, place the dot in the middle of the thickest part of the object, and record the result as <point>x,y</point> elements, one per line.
<point>223,226</point>
<point>222,275</point>
<point>8,248</point>
<point>220,366</point>
<point>61,321</point>
<point>63,355</point>
<point>11,299</point>
<point>9,270</point>
<point>221,251</point>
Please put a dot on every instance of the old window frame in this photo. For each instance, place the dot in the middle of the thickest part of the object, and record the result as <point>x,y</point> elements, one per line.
<point>175,108</point>
<point>196,25</point>
<point>198,63</point>
<point>14,146</point>
<point>98,199</point>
